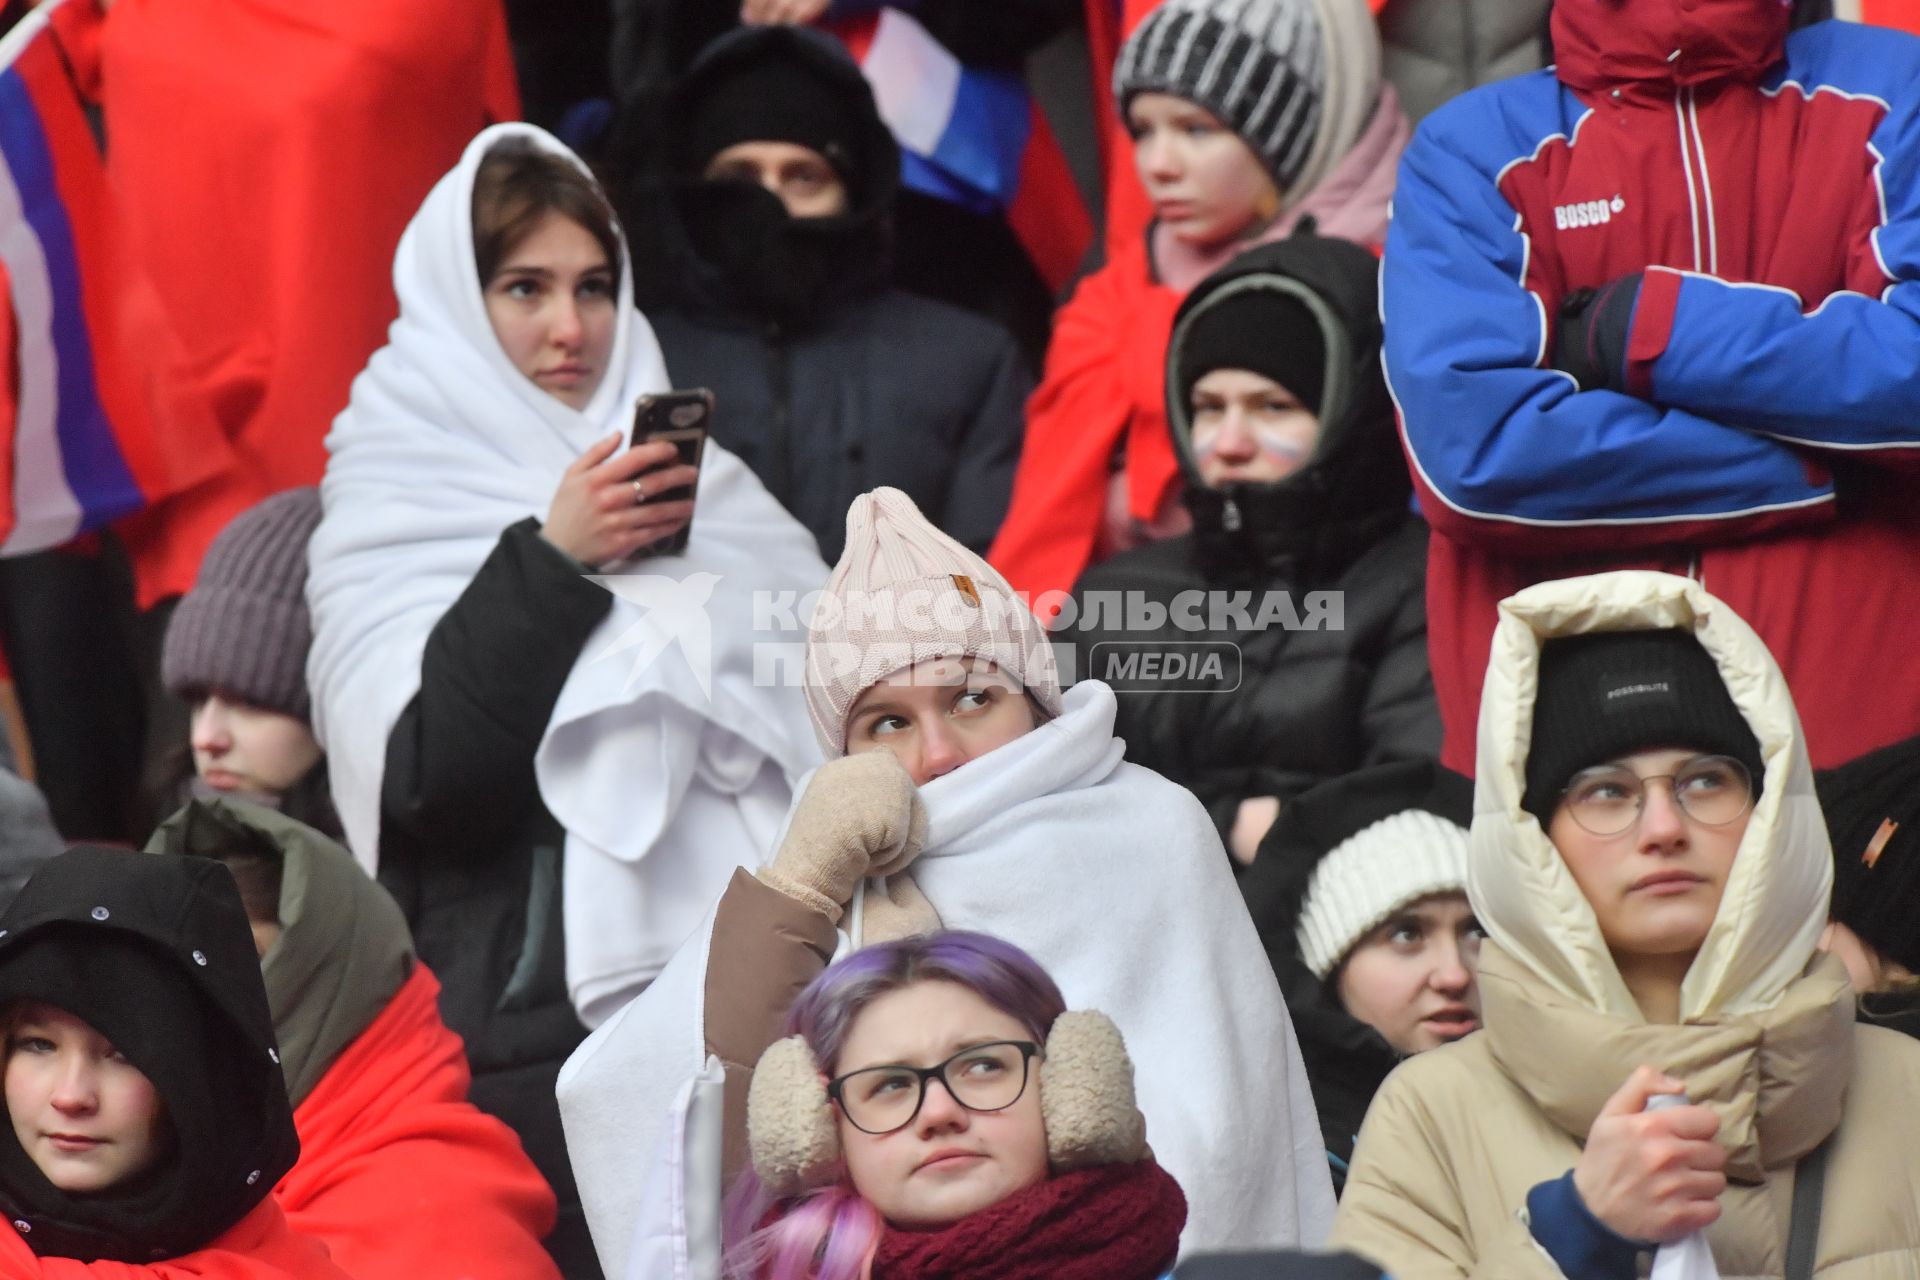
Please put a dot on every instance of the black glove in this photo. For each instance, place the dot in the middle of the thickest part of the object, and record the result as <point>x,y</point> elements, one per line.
<point>1594,327</point>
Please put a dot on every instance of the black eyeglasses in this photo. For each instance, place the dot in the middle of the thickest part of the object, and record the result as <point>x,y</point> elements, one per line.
<point>1711,790</point>
<point>981,1077</point>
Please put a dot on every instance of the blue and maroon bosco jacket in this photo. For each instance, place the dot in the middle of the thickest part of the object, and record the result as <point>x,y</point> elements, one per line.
<point>1768,433</point>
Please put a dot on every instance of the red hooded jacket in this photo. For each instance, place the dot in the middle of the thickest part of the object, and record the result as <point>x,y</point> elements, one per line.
<point>399,1174</point>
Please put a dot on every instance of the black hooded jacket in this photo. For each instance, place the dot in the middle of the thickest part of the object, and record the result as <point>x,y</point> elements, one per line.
<point>1346,1059</point>
<point>156,955</point>
<point>827,380</point>
<point>1287,706</point>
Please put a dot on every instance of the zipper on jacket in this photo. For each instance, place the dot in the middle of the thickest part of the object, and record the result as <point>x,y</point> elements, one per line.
<point>1230,516</point>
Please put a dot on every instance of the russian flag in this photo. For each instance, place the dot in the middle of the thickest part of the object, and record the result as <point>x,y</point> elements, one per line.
<point>975,137</point>
<point>87,433</point>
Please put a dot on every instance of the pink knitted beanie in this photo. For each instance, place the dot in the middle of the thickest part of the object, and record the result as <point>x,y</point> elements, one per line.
<point>905,593</point>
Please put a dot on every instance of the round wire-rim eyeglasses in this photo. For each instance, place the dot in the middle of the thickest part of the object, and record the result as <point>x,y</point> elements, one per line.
<point>1711,790</point>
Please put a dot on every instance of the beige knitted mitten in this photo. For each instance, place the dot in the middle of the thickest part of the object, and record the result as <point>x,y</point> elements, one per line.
<point>900,912</point>
<point>861,816</point>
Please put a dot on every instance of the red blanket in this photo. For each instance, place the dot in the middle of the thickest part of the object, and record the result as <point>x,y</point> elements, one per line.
<point>259,1247</point>
<point>268,154</point>
<point>400,1175</point>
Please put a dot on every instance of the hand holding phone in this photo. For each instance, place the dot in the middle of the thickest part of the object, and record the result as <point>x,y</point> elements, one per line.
<point>616,503</point>
<point>680,418</point>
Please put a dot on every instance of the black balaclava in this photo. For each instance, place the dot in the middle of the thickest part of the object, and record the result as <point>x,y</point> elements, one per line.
<point>773,99</point>
<point>1608,694</point>
<point>752,260</point>
<point>157,956</point>
<point>1303,311</point>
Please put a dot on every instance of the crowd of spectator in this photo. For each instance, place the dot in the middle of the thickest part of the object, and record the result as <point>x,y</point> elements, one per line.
<point>1371,742</point>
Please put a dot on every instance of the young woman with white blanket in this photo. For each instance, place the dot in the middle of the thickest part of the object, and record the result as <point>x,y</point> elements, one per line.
<point>555,779</point>
<point>1019,816</point>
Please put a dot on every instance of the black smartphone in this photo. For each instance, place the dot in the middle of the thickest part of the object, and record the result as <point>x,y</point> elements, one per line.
<point>681,417</point>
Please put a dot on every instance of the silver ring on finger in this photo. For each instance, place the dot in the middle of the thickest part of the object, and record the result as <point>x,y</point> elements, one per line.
<point>639,492</point>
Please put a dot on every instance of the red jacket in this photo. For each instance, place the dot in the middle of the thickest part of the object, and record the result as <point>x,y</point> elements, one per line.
<point>1745,158</point>
<point>268,156</point>
<point>258,1247</point>
<point>399,1174</point>
<point>1105,388</point>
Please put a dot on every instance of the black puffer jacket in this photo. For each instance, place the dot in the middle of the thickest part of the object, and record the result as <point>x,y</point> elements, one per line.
<point>472,854</point>
<point>1289,707</point>
<point>828,381</point>
<point>157,956</point>
<point>1346,1059</point>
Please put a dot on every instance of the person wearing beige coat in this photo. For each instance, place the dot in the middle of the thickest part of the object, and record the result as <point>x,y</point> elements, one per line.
<point>1524,1150</point>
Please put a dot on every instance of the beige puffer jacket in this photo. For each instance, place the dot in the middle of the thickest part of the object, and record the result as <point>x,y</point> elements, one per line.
<point>1458,1136</point>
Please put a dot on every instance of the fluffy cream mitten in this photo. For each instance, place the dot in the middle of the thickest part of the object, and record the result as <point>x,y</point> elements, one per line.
<point>861,816</point>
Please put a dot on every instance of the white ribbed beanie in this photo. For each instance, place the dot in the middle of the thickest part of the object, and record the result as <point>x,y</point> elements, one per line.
<point>1372,874</point>
<point>905,593</point>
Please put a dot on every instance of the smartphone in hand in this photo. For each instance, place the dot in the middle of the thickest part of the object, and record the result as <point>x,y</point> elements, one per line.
<point>681,417</point>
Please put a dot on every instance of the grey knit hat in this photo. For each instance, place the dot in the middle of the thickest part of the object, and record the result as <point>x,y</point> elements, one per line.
<point>1258,65</point>
<point>244,627</point>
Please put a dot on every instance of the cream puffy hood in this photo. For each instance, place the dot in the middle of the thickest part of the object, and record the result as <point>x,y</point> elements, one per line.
<point>1774,906</point>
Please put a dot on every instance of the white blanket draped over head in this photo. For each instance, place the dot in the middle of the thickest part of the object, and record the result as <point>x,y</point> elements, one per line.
<point>1114,880</point>
<point>664,760</point>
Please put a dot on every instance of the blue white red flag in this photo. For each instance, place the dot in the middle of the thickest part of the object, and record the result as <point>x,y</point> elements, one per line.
<point>973,136</point>
<point>82,405</point>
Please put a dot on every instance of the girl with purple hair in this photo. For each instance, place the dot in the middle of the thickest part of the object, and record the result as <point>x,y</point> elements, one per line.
<point>964,789</point>
<point>936,1110</point>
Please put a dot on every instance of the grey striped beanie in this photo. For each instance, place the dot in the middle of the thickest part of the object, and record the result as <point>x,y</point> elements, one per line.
<point>1258,65</point>
<point>244,628</point>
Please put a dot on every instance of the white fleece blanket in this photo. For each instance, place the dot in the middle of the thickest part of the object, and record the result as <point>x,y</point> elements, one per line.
<point>1113,879</point>
<point>666,773</point>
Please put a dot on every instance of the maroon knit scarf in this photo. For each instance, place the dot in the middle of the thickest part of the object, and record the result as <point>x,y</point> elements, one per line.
<point>1114,1222</point>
